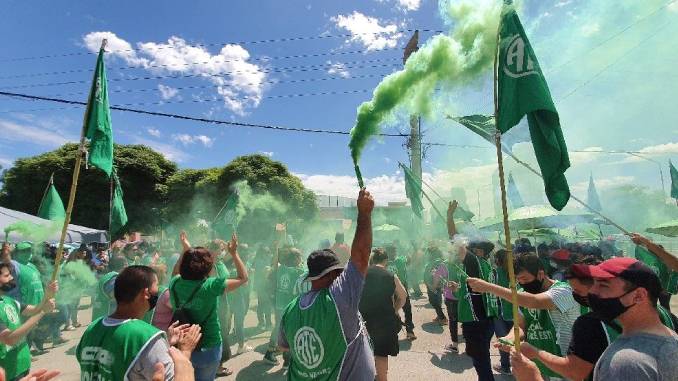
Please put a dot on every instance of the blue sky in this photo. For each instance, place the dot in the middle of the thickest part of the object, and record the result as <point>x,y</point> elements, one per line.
<point>609,65</point>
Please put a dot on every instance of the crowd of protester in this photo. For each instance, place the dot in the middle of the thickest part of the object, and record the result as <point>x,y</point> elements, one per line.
<point>586,310</point>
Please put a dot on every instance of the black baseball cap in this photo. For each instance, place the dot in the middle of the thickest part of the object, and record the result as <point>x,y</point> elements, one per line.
<point>321,262</point>
<point>483,244</point>
<point>629,269</point>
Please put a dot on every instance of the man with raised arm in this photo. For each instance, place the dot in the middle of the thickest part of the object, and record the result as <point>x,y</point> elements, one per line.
<point>322,328</point>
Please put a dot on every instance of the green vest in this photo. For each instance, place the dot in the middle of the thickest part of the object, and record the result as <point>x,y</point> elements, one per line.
<point>541,333</point>
<point>101,306</point>
<point>32,292</point>
<point>286,279</point>
<point>15,359</point>
<point>399,267</point>
<point>505,308</point>
<point>465,306</point>
<point>107,353</point>
<point>316,339</point>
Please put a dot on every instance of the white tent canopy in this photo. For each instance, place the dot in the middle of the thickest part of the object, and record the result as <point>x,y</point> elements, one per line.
<point>75,233</point>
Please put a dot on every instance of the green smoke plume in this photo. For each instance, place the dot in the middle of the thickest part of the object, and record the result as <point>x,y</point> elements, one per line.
<point>446,61</point>
<point>76,279</point>
<point>34,232</point>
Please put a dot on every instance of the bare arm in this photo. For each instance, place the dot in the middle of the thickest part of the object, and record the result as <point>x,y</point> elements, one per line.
<point>400,294</point>
<point>666,257</point>
<point>525,299</point>
<point>570,367</point>
<point>232,284</point>
<point>451,227</point>
<point>185,246</point>
<point>362,242</point>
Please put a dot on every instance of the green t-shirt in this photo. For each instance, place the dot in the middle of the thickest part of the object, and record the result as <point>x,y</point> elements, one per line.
<point>32,291</point>
<point>221,269</point>
<point>286,279</point>
<point>203,307</point>
<point>505,309</point>
<point>14,359</point>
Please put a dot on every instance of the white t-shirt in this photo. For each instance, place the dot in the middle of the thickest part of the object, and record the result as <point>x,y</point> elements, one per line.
<point>563,316</point>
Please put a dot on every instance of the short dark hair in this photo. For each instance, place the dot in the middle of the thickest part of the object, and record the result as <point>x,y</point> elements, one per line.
<point>196,264</point>
<point>379,255</point>
<point>131,281</point>
<point>528,262</point>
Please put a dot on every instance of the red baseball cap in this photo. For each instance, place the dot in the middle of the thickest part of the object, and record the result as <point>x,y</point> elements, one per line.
<point>629,269</point>
<point>561,255</point>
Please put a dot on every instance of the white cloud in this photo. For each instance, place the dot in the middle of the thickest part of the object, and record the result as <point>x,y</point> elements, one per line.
<point>238,82</point>
<point>267,153</point>
<point>589,155</point>
<point>650,151</point>
<point>368,31</point>
<point>167,92</point>
<point>187,139</point>
<point>154,132</point>
<point>34,133</point>
<point>338,68</point>
<point>581,188</point>
<point>169,151</point>
<point>6,162</point>
<point>673,7</point>
<point>563,3</point>
<point>409,5</point>
<point>590,29</point>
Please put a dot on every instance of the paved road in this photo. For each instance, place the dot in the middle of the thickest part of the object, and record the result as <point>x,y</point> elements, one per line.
<point>423,359</point>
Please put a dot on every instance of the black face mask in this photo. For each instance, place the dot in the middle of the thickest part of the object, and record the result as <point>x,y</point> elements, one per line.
<point>583,300</point>
<point>7,287</point>
<point>533,287</point>
<point>152,301</point>
<point>608,309</point>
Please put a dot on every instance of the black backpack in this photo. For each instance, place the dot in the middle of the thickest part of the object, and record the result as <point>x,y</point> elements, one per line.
<point>182,314</point>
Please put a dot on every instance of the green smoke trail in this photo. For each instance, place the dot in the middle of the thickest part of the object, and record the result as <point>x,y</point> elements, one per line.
<point>76,279</point>
<point>446,61</point>
<point>34,232</point>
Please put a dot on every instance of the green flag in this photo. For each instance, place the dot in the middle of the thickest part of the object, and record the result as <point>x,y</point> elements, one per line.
<point>513,193</point>
<point>98,121</point>
<point>413,190</point>
<point>522,90</point>
<point>593,200</point>
<point>51,206</point>
<point>674,180</point>
<point>231,210</point>
<point>118,213</point>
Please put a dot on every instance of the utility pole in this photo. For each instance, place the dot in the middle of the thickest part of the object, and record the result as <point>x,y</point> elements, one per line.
<point>414,141</point>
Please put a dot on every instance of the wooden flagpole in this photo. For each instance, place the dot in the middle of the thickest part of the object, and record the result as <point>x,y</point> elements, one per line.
<point>74,185</point>
<point>504,207</point>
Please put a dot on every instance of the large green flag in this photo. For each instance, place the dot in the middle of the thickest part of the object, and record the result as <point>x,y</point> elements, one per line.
<point>522,90</point>
<point>98,121</point>
<point>674,180</point>
<point>118,213</point>
<point>413,190</point>
<point>51,206</point>
<point>593,199</point>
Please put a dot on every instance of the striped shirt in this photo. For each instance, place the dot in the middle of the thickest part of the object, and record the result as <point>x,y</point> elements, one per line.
<point>563,316</point>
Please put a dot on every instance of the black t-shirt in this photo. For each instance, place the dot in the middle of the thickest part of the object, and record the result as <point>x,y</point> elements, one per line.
<point>473,270</point>
<point>589,338</point>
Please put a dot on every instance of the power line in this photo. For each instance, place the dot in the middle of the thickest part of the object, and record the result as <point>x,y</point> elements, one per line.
<point>171,66</point>
<point>300,68</point>
<point>186,117</point>
<point>265,41</point>
<point>203,87</point>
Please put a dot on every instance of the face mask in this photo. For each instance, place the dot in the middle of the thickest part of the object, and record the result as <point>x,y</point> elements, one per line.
<point>533,287</point>
<point>7,287</point>
<point>608,309</point>
<point>583,300</point>
<point>152,301</point>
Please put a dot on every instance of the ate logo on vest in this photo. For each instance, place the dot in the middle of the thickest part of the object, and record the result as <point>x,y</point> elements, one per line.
<point>11,315</point>
<point>308,347</point>
<point>285,282</point>
<point>518,63</point>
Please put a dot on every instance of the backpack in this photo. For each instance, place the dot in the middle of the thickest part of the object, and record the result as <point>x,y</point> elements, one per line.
<point>182,314</point>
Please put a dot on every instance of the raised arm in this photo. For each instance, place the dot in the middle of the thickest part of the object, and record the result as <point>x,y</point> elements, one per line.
<point>185,246</point>
<point>232,284</point>
<point>362,242</point>
<point>666,257</point>
<point>451,227</point>
<point>11,338</point>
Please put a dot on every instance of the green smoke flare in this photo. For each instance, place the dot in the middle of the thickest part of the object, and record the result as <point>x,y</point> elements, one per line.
<point>446,61</point>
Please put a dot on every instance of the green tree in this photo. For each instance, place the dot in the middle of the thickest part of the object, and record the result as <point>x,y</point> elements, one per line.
<point>143,174</point>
